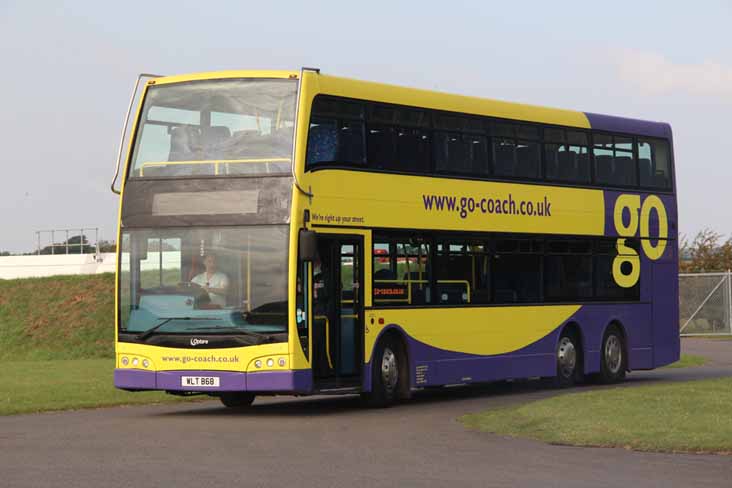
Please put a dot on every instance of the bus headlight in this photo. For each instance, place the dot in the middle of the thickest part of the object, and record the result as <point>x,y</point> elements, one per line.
<point>134,361</point>
<point>266,363</point>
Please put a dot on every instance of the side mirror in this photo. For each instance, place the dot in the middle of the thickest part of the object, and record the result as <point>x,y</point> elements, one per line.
<point>308,245</point>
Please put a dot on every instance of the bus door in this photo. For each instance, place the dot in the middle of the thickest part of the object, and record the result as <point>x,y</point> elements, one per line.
<point>337,312</point>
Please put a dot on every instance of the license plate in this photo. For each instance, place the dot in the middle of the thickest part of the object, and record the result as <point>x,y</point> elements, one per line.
<point>200,381</point>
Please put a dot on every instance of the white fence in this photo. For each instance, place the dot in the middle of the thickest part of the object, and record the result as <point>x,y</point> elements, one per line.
<point>705,303</point>
<point>77,264</point>
<point>59,264</point>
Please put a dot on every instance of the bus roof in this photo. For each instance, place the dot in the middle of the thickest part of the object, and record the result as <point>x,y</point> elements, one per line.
<point>488,107</point>
<point>400,95</point>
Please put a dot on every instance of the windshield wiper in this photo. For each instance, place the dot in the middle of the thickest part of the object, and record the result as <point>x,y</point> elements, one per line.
<point>263,337</point>
<point>165,320</point>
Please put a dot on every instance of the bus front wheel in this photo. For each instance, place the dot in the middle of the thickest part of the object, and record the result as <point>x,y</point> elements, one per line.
<point>238,399</point>
<point>386,374</point>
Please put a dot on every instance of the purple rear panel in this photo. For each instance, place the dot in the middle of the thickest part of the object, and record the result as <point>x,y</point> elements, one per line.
<point>659,279</point>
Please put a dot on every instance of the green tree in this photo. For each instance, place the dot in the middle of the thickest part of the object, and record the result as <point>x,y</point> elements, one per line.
<point>706,253</point>
<point>107,246</point>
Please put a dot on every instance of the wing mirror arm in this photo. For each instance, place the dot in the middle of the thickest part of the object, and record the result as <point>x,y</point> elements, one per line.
<point>124,128</point>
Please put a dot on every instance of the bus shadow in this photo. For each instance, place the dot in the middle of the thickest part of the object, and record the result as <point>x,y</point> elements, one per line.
<point>507,391</point>
<point>502,393</point>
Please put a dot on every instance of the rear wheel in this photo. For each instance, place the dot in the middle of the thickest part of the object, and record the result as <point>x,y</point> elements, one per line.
<point>569,361</point>
<point>238,399</point>
<point>386,374</point>
<point>614,361</point>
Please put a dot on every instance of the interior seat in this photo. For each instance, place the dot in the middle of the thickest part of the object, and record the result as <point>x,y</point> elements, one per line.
<point>605,171</point>
<point>185,143</point>
<point>322,143</point>
<point>215,141</point>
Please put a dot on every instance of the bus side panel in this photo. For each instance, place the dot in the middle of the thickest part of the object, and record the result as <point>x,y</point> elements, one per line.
<point>434,366</point>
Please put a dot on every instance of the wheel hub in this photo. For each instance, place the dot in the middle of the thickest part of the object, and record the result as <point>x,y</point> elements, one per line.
<point>566,357</point>
<point>613,354</point>
<point>389,369</point>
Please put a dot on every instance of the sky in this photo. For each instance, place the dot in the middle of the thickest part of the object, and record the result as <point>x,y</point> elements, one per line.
<point>68,69</point>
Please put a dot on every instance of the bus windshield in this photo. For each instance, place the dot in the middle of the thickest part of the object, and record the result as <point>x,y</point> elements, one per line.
<point>216,128</point>
<point>204,281</point>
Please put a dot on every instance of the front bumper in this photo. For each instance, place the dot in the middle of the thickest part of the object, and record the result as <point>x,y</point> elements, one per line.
<point>299,381</point>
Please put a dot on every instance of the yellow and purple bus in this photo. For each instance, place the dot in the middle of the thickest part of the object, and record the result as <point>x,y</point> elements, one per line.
<point>301,233</point>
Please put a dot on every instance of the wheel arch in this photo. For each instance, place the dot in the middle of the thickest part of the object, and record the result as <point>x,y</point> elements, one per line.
<point>573,327</point>
<point>397,333</point>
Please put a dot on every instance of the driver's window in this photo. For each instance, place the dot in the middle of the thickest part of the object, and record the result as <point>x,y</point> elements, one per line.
<point>162,266</point>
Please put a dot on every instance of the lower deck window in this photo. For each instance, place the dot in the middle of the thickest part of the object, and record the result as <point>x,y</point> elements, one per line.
<point>439,269</point>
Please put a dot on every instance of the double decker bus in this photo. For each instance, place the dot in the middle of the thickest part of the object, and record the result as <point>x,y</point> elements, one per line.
<point>301,233</point>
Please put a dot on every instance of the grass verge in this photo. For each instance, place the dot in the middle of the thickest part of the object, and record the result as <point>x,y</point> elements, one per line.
<point>677,417</point>
<point>37,386</point>
<point>688,361</point>
<point>58,317</point>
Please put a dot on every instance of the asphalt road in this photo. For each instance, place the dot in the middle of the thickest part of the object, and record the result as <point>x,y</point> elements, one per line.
<point>332,441</point>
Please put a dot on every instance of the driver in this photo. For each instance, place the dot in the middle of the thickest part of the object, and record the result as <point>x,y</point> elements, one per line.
<point>213,281</point>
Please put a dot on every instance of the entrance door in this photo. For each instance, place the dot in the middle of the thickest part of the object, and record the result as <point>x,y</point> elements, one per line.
<point>337,312</point>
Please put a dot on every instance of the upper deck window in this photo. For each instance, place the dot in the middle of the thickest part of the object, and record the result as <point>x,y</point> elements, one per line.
<point>516,151</point>
<point>566,156</point>
<point>653,163</point>
<point>336,133</point>
<point>216,128</point>
<point>376,136</point>
<point>614,161</point>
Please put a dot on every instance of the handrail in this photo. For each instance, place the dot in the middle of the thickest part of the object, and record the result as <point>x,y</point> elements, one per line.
<point>124,127</point>
<point>215,162</point>
<point>462,282</point>
<point>327,338</point>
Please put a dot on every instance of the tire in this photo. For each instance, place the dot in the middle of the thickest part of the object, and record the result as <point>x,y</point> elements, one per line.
<point>569,361</point>
<point>387,374</point>
<point>237,399</point>
<point>613,358</point>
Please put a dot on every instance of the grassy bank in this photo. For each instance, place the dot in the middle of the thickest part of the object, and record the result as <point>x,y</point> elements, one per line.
<point>57,345</point>
<point>37,386</point>
<point>59,317</point>
<point>677,417</point>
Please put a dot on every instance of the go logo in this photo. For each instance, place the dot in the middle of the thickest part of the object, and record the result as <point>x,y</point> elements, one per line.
<point>626,265</point>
